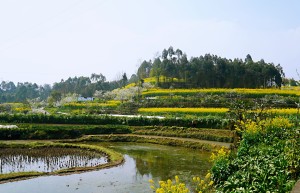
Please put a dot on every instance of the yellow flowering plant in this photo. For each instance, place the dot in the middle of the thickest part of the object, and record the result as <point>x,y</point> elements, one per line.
<point>278,111</point>
<point>277,122</point>
<point>184,110</point>
<point>220,154</point>
<point>261,92</point>
<point>204,185</point>
<point>248,126</point>
<point>252,127</point>
<point>111,103</point>
<point>169,186</point>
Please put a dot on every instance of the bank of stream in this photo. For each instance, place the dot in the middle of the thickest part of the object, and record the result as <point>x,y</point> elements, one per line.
<point>142,162</point>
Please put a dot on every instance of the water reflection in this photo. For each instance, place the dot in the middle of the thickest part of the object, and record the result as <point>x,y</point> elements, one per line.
<point>165,162</point>
<point>47,159</point>
<point>142,162</point>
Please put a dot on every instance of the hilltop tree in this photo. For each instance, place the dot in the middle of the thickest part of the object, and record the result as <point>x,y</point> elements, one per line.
<point>211,71</point>
<point>124,80</point>
<point>144,69</point>
<point>248,59</point>
<point>156,70</point>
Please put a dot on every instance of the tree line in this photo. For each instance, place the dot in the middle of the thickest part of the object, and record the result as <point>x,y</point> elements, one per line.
<point>173,68</point>
<point>9,92</point>
<point>83,86</point>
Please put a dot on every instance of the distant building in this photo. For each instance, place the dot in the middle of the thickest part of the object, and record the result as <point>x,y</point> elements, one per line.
<point>84,99</point>
<point>8,126</point>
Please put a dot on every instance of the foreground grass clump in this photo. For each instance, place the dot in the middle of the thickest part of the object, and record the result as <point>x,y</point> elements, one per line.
<point>267,159</point>
<point>114,158</point>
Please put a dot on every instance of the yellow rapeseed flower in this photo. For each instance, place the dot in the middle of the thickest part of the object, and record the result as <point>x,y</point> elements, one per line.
<point>151,181</point>
<point>208,175</point>
<point>261,92</point>
<point>183,110</point>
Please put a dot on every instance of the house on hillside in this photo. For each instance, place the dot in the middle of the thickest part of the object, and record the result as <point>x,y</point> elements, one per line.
<point>84,99</point>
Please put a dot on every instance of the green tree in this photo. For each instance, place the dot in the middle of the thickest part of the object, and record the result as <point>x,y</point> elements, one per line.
<point>144,69</point>
<point>56,96</point>
<point>124,80</point>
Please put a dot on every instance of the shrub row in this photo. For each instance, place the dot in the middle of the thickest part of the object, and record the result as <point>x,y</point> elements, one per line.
<point>26,131</point>
<point>201,122</point>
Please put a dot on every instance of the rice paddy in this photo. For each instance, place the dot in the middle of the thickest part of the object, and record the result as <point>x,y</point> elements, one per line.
<point>48,159</point>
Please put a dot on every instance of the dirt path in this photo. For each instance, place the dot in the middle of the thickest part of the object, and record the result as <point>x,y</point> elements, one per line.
<point>296,188</point>
<point>175,138</point>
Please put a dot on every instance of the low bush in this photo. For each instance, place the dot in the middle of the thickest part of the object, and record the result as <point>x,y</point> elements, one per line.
<point>199,122</point>
<point>267,159</point>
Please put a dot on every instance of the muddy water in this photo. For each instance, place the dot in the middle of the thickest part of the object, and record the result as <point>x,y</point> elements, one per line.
<point>142,162</point>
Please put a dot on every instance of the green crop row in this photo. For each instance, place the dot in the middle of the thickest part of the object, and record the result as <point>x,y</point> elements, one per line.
<point>44,131</point>
<point>196,133</point>
<point>201,122</point>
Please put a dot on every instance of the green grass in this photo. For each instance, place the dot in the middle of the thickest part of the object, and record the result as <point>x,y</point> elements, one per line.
<point>220,135</point>
<point>19,175</point>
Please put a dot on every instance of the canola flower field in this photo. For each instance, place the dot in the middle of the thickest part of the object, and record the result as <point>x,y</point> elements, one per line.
<point>220,111</point>
<point>184,110</point>
<point>243,91</point>
<point>111,103</point>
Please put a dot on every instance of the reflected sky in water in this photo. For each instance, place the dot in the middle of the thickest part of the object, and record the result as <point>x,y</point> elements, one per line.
<point>142,162</point>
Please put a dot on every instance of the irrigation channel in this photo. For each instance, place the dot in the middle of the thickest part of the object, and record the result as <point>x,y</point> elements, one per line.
<point>142,162</point>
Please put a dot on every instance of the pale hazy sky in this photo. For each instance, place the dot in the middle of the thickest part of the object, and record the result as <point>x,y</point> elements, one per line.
<point>44,41</point>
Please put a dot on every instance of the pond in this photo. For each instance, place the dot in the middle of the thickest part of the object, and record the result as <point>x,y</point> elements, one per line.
<point>47,159</point>
<point>142,162</point>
